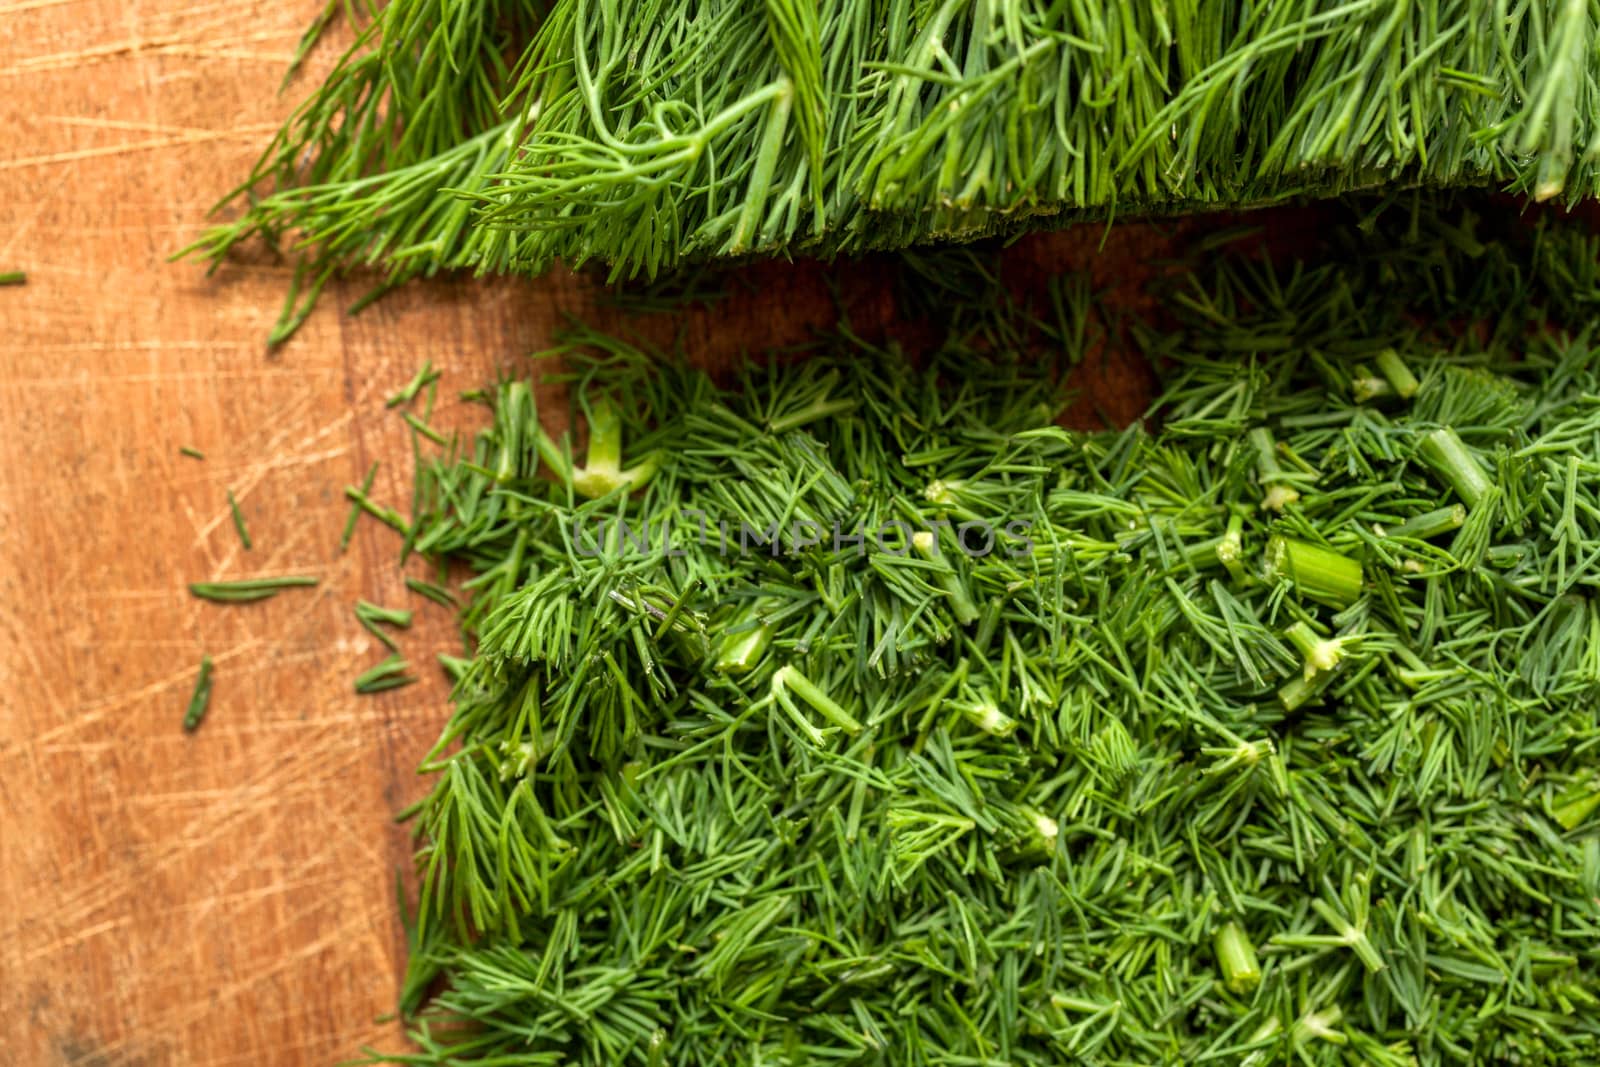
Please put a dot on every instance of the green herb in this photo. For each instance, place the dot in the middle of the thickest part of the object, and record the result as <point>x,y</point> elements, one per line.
<point>424,429</point>
<point>388,516</point>
<point>602,473</point>
<point>1443,451</point>
<point>355,507</point>
<point>14,277</point>
<point>438,594</point>
<point>424,377</point>
<point>201,698</point>
<point>1397,374</point>
<point>247,589</point>
<point>1236,958</point>
<point>238,521</point>
<point>390,674</point>
<point>192,453</point>
<point>1278,490</point>
<point>1572,814</point>
<point>374,618</point>
<point>1316,572</point>
<point>1083,789</point>
<point>1432,523</point>
<point>506,135</point>
<point>410,112</point>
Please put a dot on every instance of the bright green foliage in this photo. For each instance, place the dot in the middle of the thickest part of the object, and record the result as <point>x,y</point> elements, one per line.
<point>1050,805</point>
<point>649,133</point>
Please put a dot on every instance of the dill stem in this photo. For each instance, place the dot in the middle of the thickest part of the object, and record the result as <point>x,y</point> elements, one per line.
<point>1296,691</point>
<point>1316,572</point>
<point>605,438</point>
<point>1203,554</point>
<point>1572,814</point>
<point>1223,550</point>
<point>1398,375</point>
<point>1276,495</point>
<point>1236,958</point>
<point>1321,658</point>
<point>1350,934</point>
<point>790,679</point>
<point>1366,387</point>
<point>1431,523</point>
<point>1444,452</point>
<point>766,162</point>
<point>1318,1025</point>
<point>602,472</point>
<point>1320,654</point>
<point>987,716</point>
<point>821,408</point>
<point>1231,548</point>
<point>743,647</point>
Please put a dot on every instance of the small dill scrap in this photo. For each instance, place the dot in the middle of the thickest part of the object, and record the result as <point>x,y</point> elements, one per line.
<point>200,699</point>
<point>246,590</point>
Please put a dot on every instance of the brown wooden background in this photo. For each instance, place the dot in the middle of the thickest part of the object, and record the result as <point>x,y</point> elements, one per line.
<point>225,898</point>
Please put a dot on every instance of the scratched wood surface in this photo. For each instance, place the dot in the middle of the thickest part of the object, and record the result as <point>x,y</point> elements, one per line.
<point>227,897</point>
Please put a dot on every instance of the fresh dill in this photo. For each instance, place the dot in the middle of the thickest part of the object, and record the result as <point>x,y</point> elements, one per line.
<point>506,135</point>
<point>355,508</point>
<point>247,589</point>
<point>429,590</point>
<point>388,516</point>
<point>200,700</point>
<point>1183,767</point>
<point>389,674</point>
<point>424,377</point>
<point>424,429</point>
<point>238,522</point>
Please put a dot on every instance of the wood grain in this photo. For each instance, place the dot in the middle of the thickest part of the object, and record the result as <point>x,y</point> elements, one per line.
<point>227,897</point>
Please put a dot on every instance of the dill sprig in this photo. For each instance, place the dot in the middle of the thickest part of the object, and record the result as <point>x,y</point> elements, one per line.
<point>1160,776</point>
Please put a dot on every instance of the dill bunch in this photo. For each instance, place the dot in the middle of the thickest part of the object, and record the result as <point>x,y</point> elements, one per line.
<point>504,135</point>
<point>368,171</point>
<point>1262,732</point>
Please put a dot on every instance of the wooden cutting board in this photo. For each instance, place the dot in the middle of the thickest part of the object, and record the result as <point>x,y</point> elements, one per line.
<point>228,897</point>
